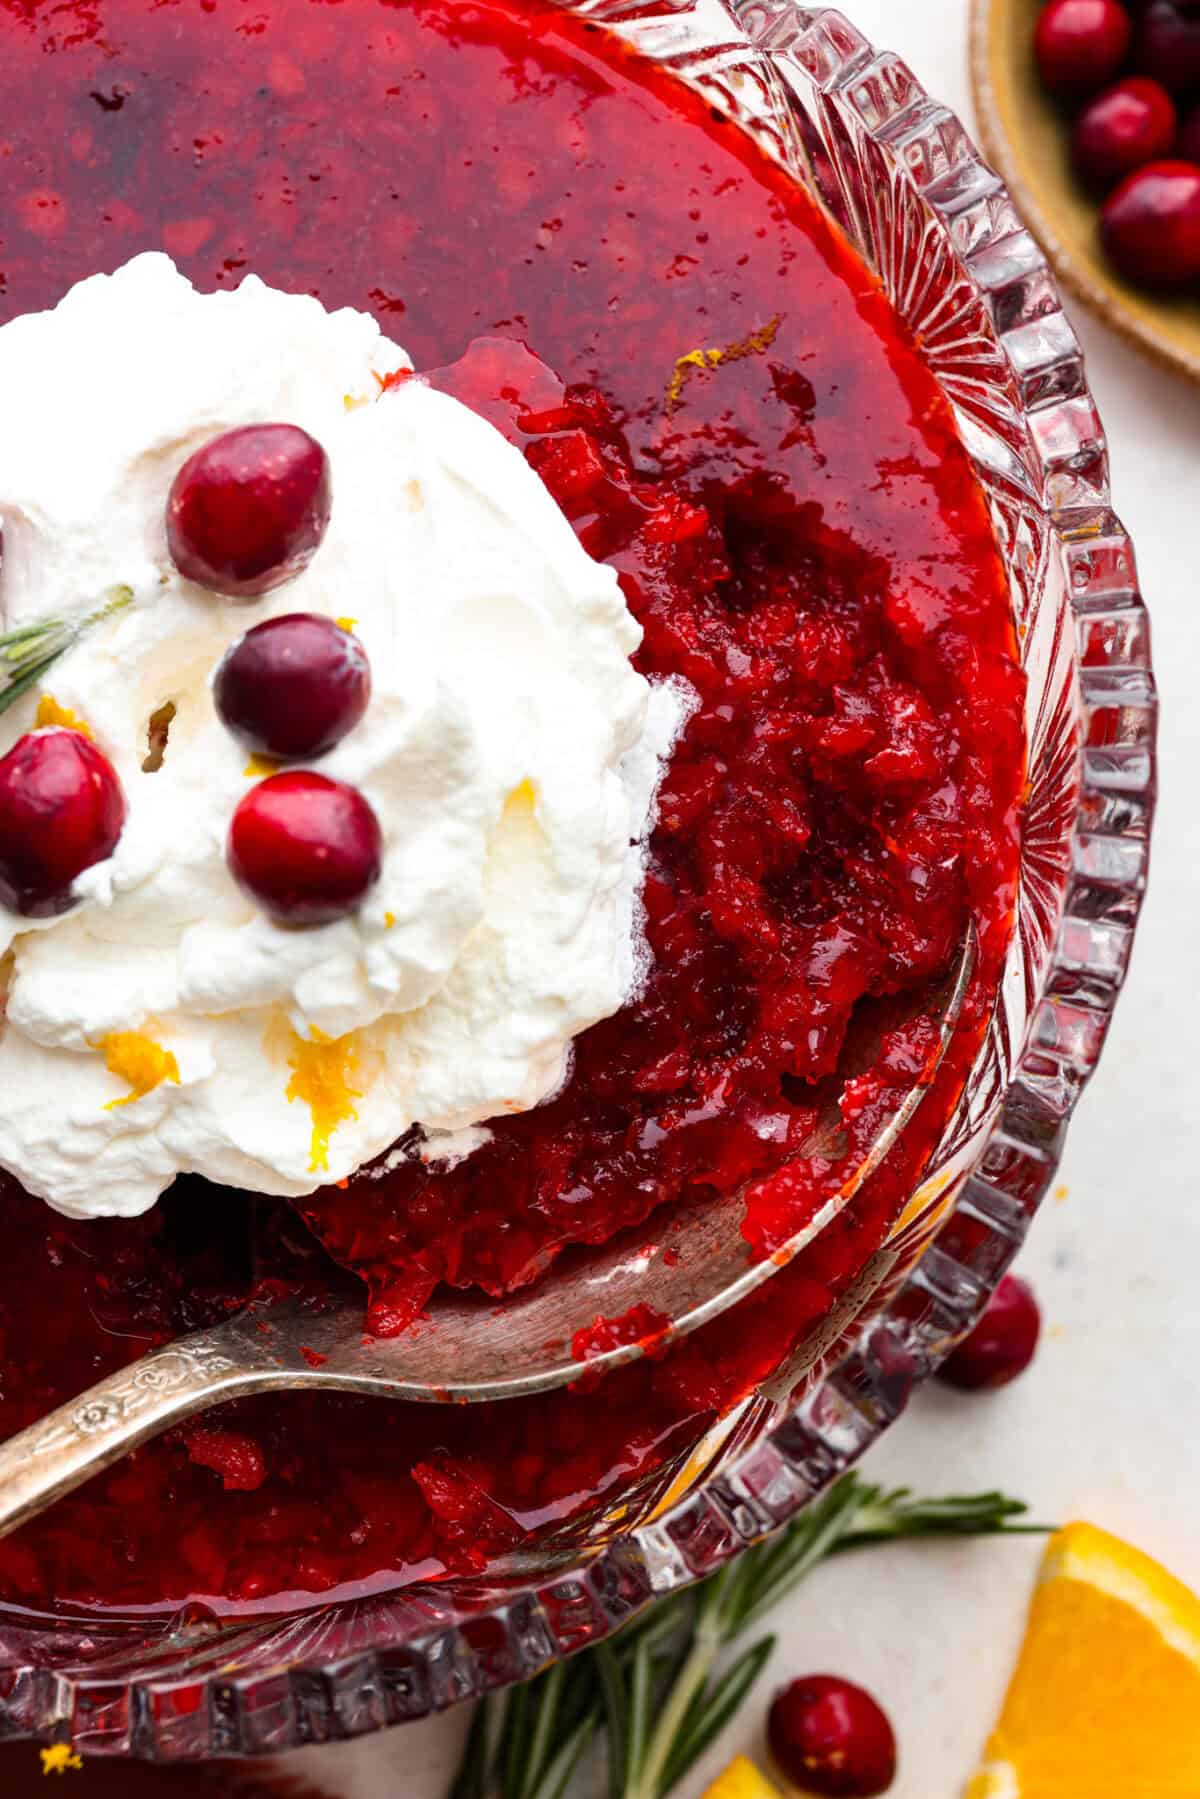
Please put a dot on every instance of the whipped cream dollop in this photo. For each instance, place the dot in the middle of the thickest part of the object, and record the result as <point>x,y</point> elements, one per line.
<point>510,751</point>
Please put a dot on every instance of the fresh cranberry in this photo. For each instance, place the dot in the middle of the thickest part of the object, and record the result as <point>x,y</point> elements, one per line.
<point>829,1736</point>
<point>1151,224</point>
<point>61,809</point>
<point>1187,147</point>
<point>1081,44</point>
<point>308,849</point>
<point>1130,124</point>
<point>248,510</point>
<point>293,686</point>
<point>1168,46</point>
<point>1002,1344</point>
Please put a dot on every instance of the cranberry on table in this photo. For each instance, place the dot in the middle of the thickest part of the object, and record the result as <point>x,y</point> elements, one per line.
<point>1126,126</point>
<point>828,1736</point>
<point>1081,44</point>
<point>62,809</point>
<point>308,849</point>
<point>1168,45</point>
<point>1151,224</point>
<point>248,511</point>
<point>293,686</point>
<point>1002,1344</point>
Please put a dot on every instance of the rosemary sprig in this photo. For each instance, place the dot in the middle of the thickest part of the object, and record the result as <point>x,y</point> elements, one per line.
<point>654,1690</point>
<point>27,651</point>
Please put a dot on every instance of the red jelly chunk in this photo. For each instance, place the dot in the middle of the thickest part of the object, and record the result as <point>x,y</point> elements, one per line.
<point>725,407</point>
<point>237,1459</point>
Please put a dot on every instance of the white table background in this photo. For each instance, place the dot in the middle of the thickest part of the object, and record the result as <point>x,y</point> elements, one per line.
<point>1107,1423</point>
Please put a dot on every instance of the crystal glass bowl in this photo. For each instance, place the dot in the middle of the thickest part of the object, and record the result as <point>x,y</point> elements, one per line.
<point>902,178</point>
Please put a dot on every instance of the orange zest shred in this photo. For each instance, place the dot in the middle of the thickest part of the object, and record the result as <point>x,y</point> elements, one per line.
<point>345,624</point>
<point>50,714</point>
<point>522,798</point>
<point>323,1069</point>
<point>139,1060</point>
<point>397,378</point>
<point>261,765</point>
<point>701,360</point>
<point>59,1757</point>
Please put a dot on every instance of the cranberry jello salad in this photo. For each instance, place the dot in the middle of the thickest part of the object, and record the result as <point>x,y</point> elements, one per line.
<point>458,801</point>
<point>167,1011</point>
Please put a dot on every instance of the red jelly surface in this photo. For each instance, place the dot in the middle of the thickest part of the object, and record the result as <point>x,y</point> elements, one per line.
<point>728,411</point>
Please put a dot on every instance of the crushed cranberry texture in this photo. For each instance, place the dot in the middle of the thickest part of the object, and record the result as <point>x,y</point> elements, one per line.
<point>727,411</point>
<point>833,813</point>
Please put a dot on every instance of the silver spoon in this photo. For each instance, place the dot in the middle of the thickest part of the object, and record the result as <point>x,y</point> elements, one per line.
<point>695,1265</point>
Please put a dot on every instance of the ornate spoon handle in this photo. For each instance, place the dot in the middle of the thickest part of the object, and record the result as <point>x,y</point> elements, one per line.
<point>71,1444</point>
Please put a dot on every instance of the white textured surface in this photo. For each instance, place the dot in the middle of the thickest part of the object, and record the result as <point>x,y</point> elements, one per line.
<point>1105,1424</point>
<point>509,749</point>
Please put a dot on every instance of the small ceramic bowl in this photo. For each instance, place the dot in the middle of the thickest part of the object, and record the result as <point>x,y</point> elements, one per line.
<point>1026,134</point>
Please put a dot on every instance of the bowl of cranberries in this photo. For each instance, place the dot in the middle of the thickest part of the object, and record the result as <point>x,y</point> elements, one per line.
<point>1090,110</point>
<point>835,438</point>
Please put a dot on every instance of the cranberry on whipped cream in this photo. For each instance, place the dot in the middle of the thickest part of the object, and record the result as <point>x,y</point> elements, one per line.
<point>166,1022</point>
<point>293,686</point>
<point>248,510</point>
<point>61,810</point>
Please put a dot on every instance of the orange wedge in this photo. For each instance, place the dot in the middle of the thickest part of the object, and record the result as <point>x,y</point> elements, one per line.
<point>1105,1699</point>
<point>741,1780</point>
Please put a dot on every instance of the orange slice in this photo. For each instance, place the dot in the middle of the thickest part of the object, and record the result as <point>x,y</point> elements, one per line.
<point>741,1780</point>
<point>1105,1699</point>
